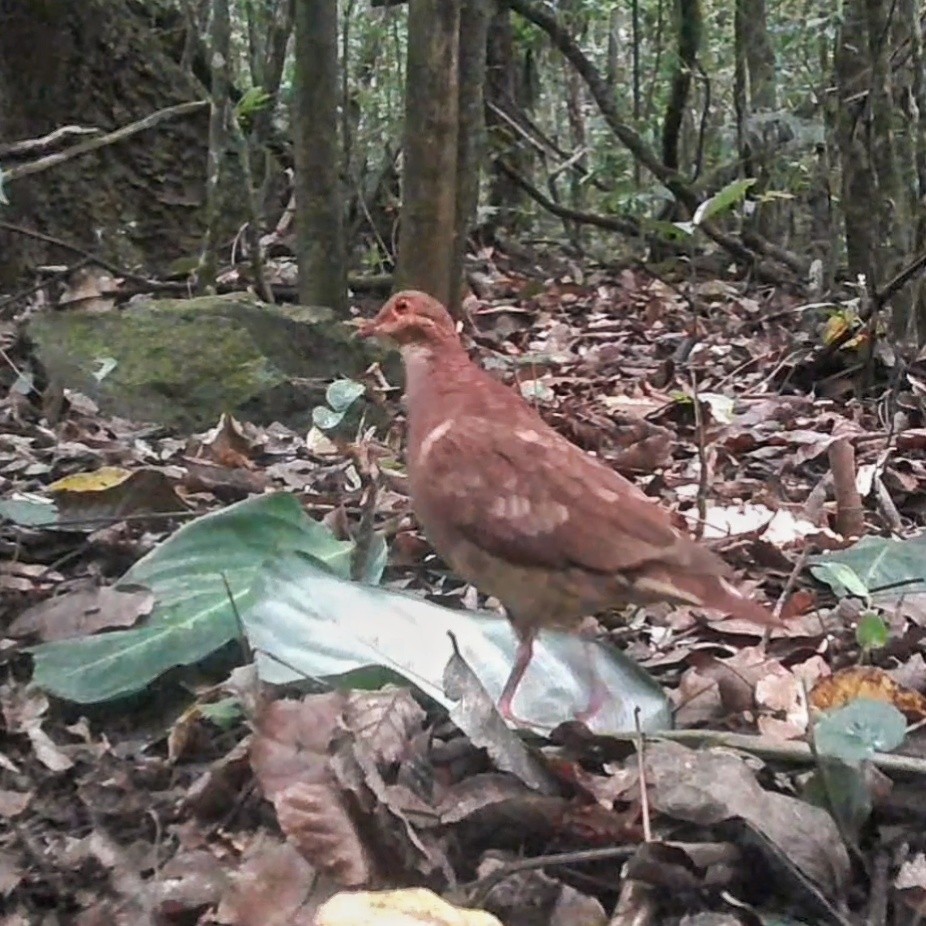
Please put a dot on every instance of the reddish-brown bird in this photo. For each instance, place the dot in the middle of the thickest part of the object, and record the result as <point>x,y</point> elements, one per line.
<point>522,513</point>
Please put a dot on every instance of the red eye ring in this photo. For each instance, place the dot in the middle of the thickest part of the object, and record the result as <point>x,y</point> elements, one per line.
<point>402,305</point>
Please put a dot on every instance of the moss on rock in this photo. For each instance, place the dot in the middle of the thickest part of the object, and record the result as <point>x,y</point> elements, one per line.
<point>182,362</point>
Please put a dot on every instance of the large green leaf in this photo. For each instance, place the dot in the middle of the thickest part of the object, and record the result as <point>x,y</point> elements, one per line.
<point>307,623</point>
<point>193,616</point>
<point>304,618</point>
<point>897,567</point>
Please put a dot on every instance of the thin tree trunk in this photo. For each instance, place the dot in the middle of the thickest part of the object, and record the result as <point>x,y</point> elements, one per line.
<point>427,228</point>
<point>220,43</point>
<point>474,30</point>
<point>320,247</point>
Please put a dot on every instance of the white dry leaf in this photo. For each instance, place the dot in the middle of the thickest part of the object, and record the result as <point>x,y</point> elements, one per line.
<point>865,478</point>
<point>317,443</point>
<point>46,751</point>
<point>778,527</point>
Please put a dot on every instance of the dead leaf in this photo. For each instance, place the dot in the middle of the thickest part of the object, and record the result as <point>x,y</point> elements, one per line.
<point>13,803</point>
<point>11,874</point>
<point>384,720</point>
<point>708,787</point>
<point>111,492</point>
<point>189,881</point>
<point>228,445</point>
<point>856,682</point>
<point>82,613</point>
<point>315,820</point>
<point>273,887</point>
<point>290,756</point>
<point>911,883</point>
<point>476,715</point>
<point>291,741</point>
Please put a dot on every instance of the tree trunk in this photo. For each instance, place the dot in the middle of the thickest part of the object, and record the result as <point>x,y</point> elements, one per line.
<point>754,92</point>
<point>688,20</point>
<point>851,64</point>
<point>137,202</point>
<point>427,228</point>
<point>220,45</point>
<point>474,30</point>
<point>910,15</point>
<point>504,93</point>
<point>875,203</point>
<point>320,247</point>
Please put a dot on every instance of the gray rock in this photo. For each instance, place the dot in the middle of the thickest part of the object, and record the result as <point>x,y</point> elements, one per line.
<point>182,362</point>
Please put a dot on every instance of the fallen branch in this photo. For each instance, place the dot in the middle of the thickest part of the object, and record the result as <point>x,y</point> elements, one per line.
<point>795,751</point>
<point>53,160</point>
<point>17,149</point>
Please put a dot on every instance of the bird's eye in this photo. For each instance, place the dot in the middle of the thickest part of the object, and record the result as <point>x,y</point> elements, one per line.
<point>402,306</point>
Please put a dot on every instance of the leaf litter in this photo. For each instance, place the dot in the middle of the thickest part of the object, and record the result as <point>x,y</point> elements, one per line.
<point>167,806</point>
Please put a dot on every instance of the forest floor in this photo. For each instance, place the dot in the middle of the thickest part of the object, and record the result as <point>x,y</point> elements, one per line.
<point>781,796</point>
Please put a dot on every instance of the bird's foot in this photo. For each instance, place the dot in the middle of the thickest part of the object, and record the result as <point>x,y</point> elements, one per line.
<point>597,699</point>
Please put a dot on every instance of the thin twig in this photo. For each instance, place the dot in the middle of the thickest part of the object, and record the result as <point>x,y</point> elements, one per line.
<point>242,633</point>
<point>792,580</point>
<point>704,474</point>
<point>641,772</point>
<point>795,752</point>
<point>481,889</point>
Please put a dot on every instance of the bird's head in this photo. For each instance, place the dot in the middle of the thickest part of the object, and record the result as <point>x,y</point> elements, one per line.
<point>411,319</point>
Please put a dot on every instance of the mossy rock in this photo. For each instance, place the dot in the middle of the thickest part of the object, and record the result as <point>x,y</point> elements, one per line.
<point>182,362</point>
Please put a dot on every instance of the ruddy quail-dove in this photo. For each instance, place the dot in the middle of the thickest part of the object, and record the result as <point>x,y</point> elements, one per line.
<point>523,514</point>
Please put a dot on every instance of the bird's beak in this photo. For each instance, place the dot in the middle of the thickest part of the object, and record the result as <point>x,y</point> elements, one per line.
<point>363,327</point>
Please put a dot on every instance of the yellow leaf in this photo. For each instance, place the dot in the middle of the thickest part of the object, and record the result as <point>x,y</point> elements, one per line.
<point>836,327</point>
<point>97,481</point>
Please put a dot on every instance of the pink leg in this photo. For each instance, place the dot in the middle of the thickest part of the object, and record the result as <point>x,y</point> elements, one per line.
<point>522,659</point>
<point>598,693</point>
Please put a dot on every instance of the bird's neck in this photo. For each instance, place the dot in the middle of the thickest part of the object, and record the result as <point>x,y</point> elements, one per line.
<point>430,370</point>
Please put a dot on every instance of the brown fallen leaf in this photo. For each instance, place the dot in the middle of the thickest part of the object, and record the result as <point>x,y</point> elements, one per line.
<point>81,613</point>
<point>290,757</point>
<point>228,444</point>
<point>111,492</point>
<point>273,887</point>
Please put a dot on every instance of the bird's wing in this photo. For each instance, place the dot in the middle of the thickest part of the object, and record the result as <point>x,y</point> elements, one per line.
<point>523,493</point>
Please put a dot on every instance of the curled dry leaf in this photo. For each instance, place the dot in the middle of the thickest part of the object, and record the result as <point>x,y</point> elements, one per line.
<point>869,682</point>
<point>289,755</point>
<point>476,716</point>
<point>384,720</point>
<point>316,821</point>
<point>549,900</point>
<point>911,883</point>
<point>228,444</point>
<point>291,741</point>
<point>13,803</point>
<point>23,713</point>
